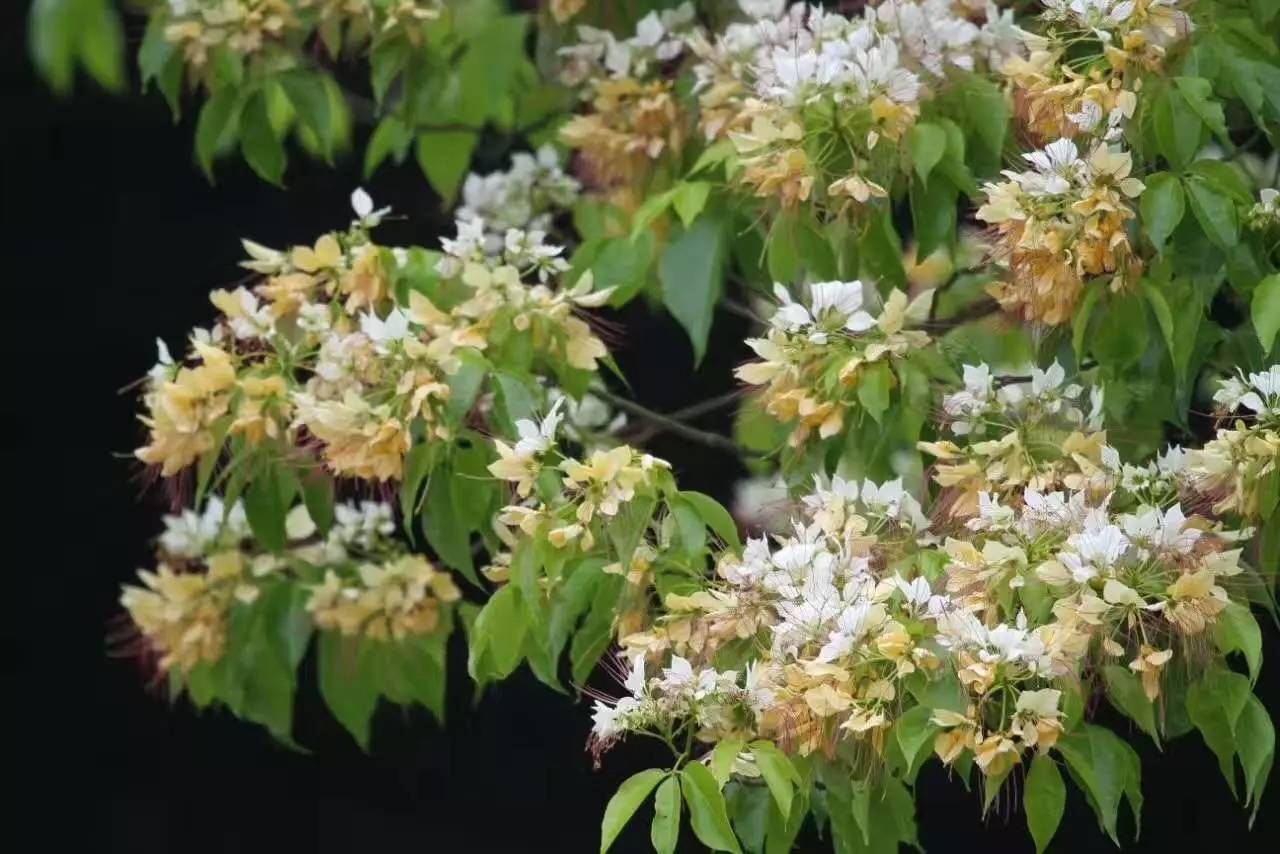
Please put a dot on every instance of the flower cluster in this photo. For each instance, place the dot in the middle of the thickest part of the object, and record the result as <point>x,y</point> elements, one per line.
<point>562,499</point>
<point>815,355</point>
<point>1235,468</point>
<point>1060,223</point>
<point>806,94</point>
<point>634,118</point>
<point>863,613</point>
<point>1077,76</point>
<point>1012,433</point>
<point>1266,213</point>
<point>248,27</point>
<point>209,564</point>
<point>392,599</point>
<point>527,197</point>
<point>324,349</point>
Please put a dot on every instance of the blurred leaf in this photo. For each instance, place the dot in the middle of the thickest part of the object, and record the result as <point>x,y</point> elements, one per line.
<point>691,274</point>
<point>444,157</point>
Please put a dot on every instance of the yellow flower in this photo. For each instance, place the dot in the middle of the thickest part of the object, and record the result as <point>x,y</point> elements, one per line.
<point>181,410</point>
<point>1150,663</point>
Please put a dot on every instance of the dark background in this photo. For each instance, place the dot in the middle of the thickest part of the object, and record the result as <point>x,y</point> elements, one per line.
<point>111,237</point>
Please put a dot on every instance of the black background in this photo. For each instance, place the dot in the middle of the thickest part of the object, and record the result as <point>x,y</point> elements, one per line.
<point>112,236</point>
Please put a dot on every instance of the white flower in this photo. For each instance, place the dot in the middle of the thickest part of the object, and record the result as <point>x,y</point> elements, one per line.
<point>383,332</point>
<point>191,535</point>
<point>844,299</point>
<point>538,438</point>
<point>164,361</point>
<point>362,204</point>
<point>1043,382</point>
<point>762,8</point>
<point>1057,165</point>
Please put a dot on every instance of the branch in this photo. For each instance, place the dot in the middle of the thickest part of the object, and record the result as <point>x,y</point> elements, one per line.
<point>670,424</point>
<point>977,310</point>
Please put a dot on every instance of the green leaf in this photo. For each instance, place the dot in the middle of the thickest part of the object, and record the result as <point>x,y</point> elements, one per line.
<point>100,43</point>
<point>623,263</point>
<point>652,208</point>
<point>689,200</point>
<point>490,65</point>
<point>464,384</point>
<point>1080,323</point>
<point>624,803</point>
<point>1124,688</point>
<point>265,512</point>
<point>1044,798</point>
<point>440,520</point>
<point>881,251</point>
<point>1163,206</point>
<point>874,382</point>
<point>1199,96</point>
<point>1123,332</point>
<point>1256,746</point>
<point>1179,129</point>
<point>778,773</point>
<point>417,465</point>
<point>664,833</point>
<point>258,141</point>
<point>914,732</point>
<point>216,127</point>
<point>722,759</point>
<point>707,811</point>
<point>690,271</point>
<point>306,91</point>
<point>1214,703</point>
<point>716,517</point>
<point>1100,761</point>
<point>386,60</point>
<point>346,684</point>
<point>1215,210</point>
<point>1265,310</point>
<point>1237,631</point>
<point>987,112</point>
<point>596,633</point>
<point>928,142</point>
<point>1164,316</point>
<point>317,495</point>
<point>933,216</point>
<point>783,251</point>
<point>389,138</point>
<point>444,156</point>
<point>497,637</point>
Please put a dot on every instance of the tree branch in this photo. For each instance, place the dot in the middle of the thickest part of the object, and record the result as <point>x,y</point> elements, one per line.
<point>976,310</point>
<point>671,424</point>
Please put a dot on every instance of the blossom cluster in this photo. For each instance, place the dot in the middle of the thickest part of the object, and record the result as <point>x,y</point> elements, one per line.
<point>526,197</point>
<point>1016,432</point>
<point>326,350</point>
<point>633,118</point>
<point>815,354</point>
<point>1060,223</point>
<point>806,94</point>
<point>208,564</point>
<point>1236,467</point>
<point>1063,222</point>
<point>988,619</point>
<point>561,498</point>
<point>248,27</point>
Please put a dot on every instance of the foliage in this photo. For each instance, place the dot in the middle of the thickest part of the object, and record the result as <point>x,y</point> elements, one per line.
<point>997,259</point>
